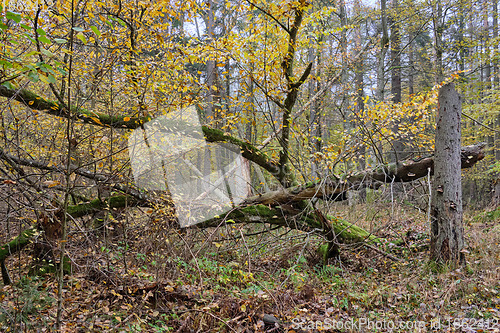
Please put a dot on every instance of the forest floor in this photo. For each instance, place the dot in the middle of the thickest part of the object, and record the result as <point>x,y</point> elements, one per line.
<point>150,278</point>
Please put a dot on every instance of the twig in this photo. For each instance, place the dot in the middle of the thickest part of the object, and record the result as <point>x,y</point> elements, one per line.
<point>270,15</point>
<point>376,249</point>
<point>216,317</point>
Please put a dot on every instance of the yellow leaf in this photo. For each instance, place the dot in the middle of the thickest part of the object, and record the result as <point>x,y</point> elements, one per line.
<point>51,183</point>
<point>126,119</point>
<point>96,120</point>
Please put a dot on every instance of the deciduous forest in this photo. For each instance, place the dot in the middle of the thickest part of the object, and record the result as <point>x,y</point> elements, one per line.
<point>249,166</point>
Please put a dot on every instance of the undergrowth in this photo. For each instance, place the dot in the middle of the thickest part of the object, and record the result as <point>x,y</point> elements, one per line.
<point>162,280</point>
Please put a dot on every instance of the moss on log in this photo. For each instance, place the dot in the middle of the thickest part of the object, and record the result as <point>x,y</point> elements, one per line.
<point>345,232</point>
<point>351,233</point>
<point>96,205</point>
<point>17,244</point>
<point>36,102</point>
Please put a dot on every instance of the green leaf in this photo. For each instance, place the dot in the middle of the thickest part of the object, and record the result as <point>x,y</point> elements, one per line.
<point>3,26</point>
<point>25,26</point>
<point>51,78</point>
<point>78,29</point>
<point>48,53</point>
<point>81,37</point>
<point>60,40</point>
<point>8,85</point>
<point>33,76</point>
<point>6,64</point>
<point>47,68</point>
<point>41,31</point>
<point>44,39</point>
<point>61,70</point>
<point>119,20</point>
<point>29,54</point>
<point>95,30</point>
<point>43,78</point>
<point>13,16</point>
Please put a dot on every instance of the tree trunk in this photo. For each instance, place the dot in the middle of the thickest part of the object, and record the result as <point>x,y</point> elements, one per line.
<point>398,144</point>
<point>210,71</point>
<point>486,45</point>
<point>461,41</point>
<point>447,232</point>
<point>496,78</point>
<point>384,43</point>
<point>343,51</point>
<point>314,116</point>
<point>360,103</point>
<point>15,245</point>
<point>395,55</point>
<point>437,19</point>
<point>411,65</point>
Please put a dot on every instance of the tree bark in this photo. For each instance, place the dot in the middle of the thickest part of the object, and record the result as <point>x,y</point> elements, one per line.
<point>399,144</point>
<point>360,94</point>
<point>314,115</point>
<point>15,245</point>
<point>211,68</point>
<point>284,175</point>
<point>411,65</point>
<point>336,190</point>
<point>447,232</point>
<point>384,45</point>
<point>496,78</point>
<point>395,54</point>
<point>486,44</point>
<point>461,40</point>
<point>437,19</point>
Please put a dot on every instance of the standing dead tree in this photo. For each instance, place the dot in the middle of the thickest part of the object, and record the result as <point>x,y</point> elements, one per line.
<point>447,231</point>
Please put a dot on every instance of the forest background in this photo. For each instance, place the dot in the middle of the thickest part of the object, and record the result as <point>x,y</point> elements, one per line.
<point>326,99</point>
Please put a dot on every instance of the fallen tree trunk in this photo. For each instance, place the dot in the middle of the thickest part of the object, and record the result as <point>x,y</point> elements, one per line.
<point>96,205</point>
<point>36,102</point>
<point>404,171</point>
<point>15,245</point>
<point>282,207</point>
<point>335,231</point>
<point>344,231</point>
<point>274,207</point>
